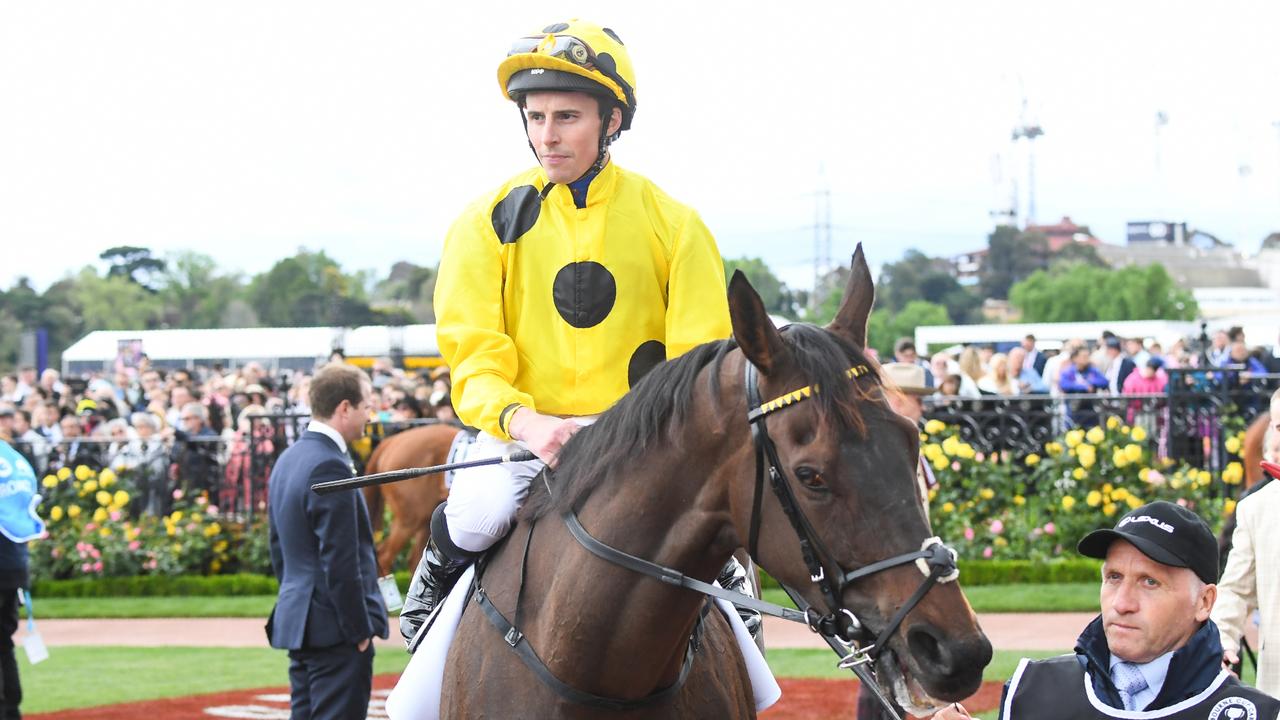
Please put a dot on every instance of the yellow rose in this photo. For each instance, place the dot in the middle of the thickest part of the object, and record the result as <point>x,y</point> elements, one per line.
<point>1119,459</point>
<point>1233,473</point>
<point>1019,500</point>
<point>73,511</point>
<point>220,546</point>
<point>1032,459</point>
<point>1068,502</point>
<point>99,515</point>
<point>1113,422</point>
<point>933,493</point>
<point>1126,429</point>
<point>1079,474</point>
<point>1139,433</point>
<point>951,445</point>
<point>1087,456</point>
<point>1144,473</point>
<point>170,530</point>
<point>948,507</point>
<point>940,464</point>
<point>49,481</point>
<point>1233,445</point>
<point>64,473</point>
<point>1134,502</point>
<point>1119,494</point>
<point>1074,438</point>
<point>90,486</point>
<point>932,451</point>
<point>103,497</point>
<point>104,531</point>
<point>1204,477</point>
<point>212,529</point>
<point>215,566</point>
<point>176,516</point>
<point>1053,449</point>
<point>1109,509</point>
<point>933,427</point>
<point>1228,507</point>
<point>1093,499</point>
<point>1107,487</point>
<point>1133,452</point>
<point>1095,435</point>
<point>1000,541</point>
<point>55,513</point>
<point>83,472</point>
<point>121,498</point>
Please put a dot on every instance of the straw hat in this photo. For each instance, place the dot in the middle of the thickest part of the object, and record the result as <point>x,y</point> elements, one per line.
<point>907,377</point>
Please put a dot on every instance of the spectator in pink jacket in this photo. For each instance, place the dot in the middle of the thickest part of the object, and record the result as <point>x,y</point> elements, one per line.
<point>1149,379</point>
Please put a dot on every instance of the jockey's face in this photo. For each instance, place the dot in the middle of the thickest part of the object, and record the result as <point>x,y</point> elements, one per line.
<point>564,129</point>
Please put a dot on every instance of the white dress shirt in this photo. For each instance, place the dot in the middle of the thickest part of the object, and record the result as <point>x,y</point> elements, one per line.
<point>329,432</point>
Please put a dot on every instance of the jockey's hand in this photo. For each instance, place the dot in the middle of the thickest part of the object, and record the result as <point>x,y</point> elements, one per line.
<point>544,434</point>
<point>954,711</point>
<point>1230,660</point>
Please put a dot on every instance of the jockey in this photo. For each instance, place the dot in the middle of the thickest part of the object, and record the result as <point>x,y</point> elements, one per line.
<point>558,291</point>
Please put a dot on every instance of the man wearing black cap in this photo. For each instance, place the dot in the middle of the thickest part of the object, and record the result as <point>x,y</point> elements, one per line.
<point>1153,652</point>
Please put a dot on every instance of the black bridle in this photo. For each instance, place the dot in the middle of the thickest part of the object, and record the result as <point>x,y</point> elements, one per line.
<point>936,560</point>
<point>840,626</point>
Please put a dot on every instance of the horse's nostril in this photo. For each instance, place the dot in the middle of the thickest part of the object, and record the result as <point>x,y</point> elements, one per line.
<point>927,650</point>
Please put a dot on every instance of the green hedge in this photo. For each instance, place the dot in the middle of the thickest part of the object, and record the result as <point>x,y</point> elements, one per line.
<point>972,572</point>
<point>1013,572</point>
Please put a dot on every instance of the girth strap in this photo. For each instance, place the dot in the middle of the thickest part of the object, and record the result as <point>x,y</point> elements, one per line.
<point>517,641</point>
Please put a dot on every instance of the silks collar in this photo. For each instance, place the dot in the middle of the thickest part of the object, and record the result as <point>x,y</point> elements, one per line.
<point>592,188</point>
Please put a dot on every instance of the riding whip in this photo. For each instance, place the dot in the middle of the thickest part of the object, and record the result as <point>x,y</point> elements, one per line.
<point>382,478</point>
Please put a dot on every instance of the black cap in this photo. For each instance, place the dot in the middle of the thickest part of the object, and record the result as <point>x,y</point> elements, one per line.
<point>1167,533</point>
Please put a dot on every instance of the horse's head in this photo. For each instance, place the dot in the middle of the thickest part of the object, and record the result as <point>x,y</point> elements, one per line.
<point>849,465</point>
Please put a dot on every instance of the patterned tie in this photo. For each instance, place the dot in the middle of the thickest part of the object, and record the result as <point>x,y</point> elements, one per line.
<point>1129,682</point>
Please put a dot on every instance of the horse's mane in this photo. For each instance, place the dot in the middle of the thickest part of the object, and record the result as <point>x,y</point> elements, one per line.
<point>659,404</point>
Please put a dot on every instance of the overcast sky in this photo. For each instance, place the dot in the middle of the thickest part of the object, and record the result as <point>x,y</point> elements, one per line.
<point>248,129</point>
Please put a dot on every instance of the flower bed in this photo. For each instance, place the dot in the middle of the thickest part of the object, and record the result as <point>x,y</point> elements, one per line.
<point>1039,505</point>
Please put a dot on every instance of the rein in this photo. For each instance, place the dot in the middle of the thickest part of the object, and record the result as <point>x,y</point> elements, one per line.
<point>840,626</point>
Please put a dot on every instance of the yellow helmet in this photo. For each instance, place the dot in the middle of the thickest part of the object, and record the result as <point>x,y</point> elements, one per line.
<point>577,56</point>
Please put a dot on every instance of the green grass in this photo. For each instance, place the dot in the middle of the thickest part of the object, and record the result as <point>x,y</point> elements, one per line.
<point>1067,597</point>
<point>108,675</point>
<point>76,676</point>
<point>258,606</point>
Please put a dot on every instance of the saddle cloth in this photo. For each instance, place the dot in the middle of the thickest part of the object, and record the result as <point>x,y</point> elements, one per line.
<point>417,693</point>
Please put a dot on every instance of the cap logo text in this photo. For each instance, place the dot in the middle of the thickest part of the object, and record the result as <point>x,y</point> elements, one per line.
<point>1147,519</point>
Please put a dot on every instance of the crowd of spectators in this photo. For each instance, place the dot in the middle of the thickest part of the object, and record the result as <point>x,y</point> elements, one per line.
<point>179,428</point>
<point>1110,365</point>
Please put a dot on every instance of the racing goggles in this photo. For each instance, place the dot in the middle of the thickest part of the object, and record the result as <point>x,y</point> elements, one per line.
<point>565,47</point>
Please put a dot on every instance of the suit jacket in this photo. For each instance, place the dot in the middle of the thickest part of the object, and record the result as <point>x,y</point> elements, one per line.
<point>321,552</point>
<point>1251,581</point>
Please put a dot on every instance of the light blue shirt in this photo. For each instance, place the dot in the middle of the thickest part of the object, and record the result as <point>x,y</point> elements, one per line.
<point>1153,672</point>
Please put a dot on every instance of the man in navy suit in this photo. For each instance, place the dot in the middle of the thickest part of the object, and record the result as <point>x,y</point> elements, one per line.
<point>329,608</point>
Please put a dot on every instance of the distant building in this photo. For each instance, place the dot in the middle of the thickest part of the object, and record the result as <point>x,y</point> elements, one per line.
<point>1064,233</point>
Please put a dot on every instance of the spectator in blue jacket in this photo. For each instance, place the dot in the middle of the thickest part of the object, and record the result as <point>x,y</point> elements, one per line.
<point>1079,376</point>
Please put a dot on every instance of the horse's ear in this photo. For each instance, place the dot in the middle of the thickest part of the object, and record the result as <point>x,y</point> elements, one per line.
<point>757,337</point>
<point>859,295</point>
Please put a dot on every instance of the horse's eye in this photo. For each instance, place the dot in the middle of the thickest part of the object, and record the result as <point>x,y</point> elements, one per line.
<point>810,478</point>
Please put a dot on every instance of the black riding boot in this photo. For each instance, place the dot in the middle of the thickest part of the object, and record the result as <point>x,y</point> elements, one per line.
<point>438,571</point>
<point>734,577</point>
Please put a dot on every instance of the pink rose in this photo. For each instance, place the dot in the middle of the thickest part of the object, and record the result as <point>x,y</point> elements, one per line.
<point>134,545</point>
<point>987,553</point>
<point>997,527</point>
<point>115,515</point>
<point>979,457</point>
<point>177,494</point>
<point>97,567</point>
<point>1050,528</point>
<point>212,509</point>
<point>968,533</point>
<point>1155,478</point>
<point>1182,502</point>
<point>955,465</point>
<point>91,527</point>
<point>56,553</point>
<point>85,567</point>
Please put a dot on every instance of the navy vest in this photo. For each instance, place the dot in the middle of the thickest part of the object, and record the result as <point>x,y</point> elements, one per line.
<point>1057,689</point>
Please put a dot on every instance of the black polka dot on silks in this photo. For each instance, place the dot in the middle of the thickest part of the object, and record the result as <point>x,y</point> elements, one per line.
<point>606,63</point>
<point>558,27</point>
<point>584,293</point>
<point>649,355</point>
<point>516,213</point>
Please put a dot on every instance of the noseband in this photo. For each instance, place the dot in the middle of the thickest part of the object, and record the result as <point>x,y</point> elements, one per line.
<point>936,561</point>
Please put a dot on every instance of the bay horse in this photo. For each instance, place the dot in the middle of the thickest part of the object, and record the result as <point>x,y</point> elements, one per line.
<point>670,474</point>
<point>411,502</point>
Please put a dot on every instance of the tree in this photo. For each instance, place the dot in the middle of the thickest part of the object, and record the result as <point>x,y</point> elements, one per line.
<point>1084,293</point>
<point>776,296</point>
<point>133,263</point>
<point>113,302</point>
<point>194,294</point>
<point>408,290</point>
<point>919,277</point>
<point>885,327</point>
<point>1011,256</point>
<point>310,289</point>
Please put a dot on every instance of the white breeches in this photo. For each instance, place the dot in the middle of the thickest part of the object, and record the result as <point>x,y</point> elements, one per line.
<point>483,501</point>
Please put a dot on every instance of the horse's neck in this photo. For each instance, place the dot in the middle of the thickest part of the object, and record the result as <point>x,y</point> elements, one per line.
<point>612,628</point>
